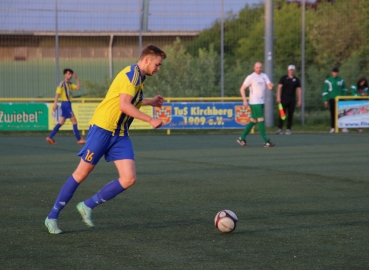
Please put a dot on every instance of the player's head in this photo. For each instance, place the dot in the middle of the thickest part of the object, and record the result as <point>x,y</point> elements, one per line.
<point>291,70</point>
<point>150,60</point>
<point>68,73</point>
<point>258,67</point>
<point>362,82</point>
<point>335,72</point>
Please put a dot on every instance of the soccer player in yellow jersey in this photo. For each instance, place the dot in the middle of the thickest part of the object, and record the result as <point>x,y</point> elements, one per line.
<point>108,135</point>
<point>63,94</point>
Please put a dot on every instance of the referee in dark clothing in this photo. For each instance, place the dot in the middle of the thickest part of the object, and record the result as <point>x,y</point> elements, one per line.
<point>286,94</point>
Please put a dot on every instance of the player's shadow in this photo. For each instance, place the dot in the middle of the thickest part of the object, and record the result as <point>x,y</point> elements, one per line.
<point>144,226</point>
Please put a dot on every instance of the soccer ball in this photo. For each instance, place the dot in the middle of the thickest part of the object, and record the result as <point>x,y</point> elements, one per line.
<point>226,221</point>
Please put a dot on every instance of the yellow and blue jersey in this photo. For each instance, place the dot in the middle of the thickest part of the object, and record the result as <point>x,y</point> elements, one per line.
<point>108,115</point>
<point>64,90</point>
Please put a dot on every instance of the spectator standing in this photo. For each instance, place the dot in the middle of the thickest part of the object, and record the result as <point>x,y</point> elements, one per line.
<point>286,95</point>
<point>333,86</point>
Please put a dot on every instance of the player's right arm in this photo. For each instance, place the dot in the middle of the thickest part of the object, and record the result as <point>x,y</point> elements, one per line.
<point>55,102</point>
<point>279,90</point>
<point>59,90</point>
<point>243,94</point>
<point>127,108</point>
<point>246,84</point>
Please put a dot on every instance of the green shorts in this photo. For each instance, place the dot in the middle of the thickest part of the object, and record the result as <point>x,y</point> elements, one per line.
<point>257,111</point>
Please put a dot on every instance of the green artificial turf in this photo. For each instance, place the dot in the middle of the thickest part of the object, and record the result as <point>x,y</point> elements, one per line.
<point>303,204</point>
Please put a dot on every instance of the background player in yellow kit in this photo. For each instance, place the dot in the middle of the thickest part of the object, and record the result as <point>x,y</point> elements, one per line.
<point>63,94</point>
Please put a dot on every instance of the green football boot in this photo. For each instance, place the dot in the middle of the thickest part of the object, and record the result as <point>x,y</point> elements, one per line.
<point>85,213</point>
<point>52,225</point>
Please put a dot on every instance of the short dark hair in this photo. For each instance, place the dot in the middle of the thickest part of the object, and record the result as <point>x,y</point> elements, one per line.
<point>67,70</point>
<point>152,50</point>
<point>335,70</point>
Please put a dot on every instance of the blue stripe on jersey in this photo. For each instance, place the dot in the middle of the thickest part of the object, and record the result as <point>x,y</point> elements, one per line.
<point>66,89</point>
<point>126,119</point>
<point>121,118</point>
<point>134,75</point>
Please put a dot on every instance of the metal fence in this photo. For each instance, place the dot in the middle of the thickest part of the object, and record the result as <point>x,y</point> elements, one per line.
<point>212,44</point>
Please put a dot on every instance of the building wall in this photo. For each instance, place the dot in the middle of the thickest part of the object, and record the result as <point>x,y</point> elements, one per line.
<point>30,47</point>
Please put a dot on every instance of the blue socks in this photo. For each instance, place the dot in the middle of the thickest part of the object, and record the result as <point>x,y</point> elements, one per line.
<point>65,194</point>
<point>55,130</point>
<point>107,193</point>
<point>76,132</point>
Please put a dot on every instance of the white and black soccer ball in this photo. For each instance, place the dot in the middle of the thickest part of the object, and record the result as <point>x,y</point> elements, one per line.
<point>226,221</point>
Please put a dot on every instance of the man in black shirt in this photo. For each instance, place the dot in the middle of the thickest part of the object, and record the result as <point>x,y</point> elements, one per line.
<point>286,94</point>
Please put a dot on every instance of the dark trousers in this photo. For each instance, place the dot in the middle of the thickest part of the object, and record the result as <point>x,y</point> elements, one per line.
<point>332,109</point>
<point>289,108</point>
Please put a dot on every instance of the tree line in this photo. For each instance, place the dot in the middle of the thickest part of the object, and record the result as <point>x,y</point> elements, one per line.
<point>336,36</point>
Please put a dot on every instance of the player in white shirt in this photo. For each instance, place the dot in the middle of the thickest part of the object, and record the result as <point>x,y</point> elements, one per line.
<point>257,82</point>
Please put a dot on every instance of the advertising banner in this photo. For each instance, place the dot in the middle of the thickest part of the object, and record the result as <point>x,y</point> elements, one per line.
<point>23,116</point>
<point>175,115</point>
<point>84,113</point>
<point>353,114</point>
<point>203,115</point>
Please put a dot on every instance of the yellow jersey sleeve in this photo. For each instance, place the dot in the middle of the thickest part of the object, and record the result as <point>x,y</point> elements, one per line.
<point>59,90</point>
<point>127,84</point>
<point>73,86</point>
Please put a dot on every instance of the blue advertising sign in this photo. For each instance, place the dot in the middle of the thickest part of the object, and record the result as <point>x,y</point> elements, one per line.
<point>353,114</point>
<point>203,115</point>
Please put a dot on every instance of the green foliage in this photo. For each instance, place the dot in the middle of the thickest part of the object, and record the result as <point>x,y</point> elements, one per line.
<point>182,74</point>
<point>287,32</point>
<point>235,28</point>
<point>96,89</point>
<point>334,31</point>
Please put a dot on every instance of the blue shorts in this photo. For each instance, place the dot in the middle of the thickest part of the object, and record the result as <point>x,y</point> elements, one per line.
<point>101,142</point>
<point>66,108</point>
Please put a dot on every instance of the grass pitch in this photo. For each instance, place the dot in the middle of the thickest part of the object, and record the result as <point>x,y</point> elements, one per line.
<point>303,204</point>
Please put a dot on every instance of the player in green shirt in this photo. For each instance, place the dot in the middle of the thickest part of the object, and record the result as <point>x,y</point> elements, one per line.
<point>333,86</point>
<point>360,89</point>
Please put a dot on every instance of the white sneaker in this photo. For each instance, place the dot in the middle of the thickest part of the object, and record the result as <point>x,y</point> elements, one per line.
<point>279,131</point>
<point>332,130</point>
<point>288,132</point>
<point>52,225</point>
<point>345,130</point>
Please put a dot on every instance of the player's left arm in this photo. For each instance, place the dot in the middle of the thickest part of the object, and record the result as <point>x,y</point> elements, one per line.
<point>156,101</point>
<point>299,94</point>
<point>268,83</point>
<point>128,108</point>
<point>78,86</point>
<point>344,88</point>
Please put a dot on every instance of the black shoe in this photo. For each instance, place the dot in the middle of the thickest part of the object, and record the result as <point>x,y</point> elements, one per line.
<point>241,142</point>
<point>269,144</point>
